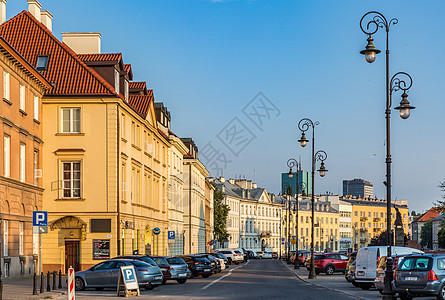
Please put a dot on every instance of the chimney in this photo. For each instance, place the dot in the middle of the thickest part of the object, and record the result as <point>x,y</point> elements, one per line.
<point>254,185</point>
<point>83,42</point>
<point>232,181</point>
<point>2,11</point>
<point>34,8</point>
<point>222,179</point>
<point>47,18</point>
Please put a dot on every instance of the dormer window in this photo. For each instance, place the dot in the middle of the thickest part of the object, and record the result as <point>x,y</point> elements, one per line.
<point>42,62</point>
<point>116,81</point>
<point>126,89</point>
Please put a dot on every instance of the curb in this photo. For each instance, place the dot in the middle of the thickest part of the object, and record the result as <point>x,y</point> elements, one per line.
<point>321,286</point>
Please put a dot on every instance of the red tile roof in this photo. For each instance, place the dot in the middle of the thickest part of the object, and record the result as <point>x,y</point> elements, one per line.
<point>138,85</point>
<point>141,103</point>
<point>127,67</point>
<point>100,57</point>
<point>432,213</point>
<point>69,74</point>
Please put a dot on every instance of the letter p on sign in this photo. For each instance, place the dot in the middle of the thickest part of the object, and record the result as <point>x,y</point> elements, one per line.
<point>128,274</point>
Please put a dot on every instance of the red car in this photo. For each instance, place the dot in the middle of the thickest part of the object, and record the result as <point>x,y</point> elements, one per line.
<point>302,256</point>
<point>330,263</point>
<point>165,267</point>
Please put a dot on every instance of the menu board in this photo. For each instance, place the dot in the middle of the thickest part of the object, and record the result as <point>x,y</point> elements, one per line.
<point>101,249</point>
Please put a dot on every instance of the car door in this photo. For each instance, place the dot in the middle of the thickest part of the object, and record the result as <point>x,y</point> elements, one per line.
<point>343,262</point>
<point>99,276</point>
<point>114,272</point>
<point>333,259</point>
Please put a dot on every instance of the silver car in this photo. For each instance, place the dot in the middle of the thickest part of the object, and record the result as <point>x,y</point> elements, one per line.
<point>179,269</point>
<point>106,274</point>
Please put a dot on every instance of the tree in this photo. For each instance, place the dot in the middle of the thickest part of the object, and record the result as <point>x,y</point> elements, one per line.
<point>380,240</point>
<point>426,235</point>
<point>221,211</point>
<point>441,238</point>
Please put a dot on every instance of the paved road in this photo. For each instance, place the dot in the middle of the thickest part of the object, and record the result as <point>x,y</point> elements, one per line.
<point>257,279</point>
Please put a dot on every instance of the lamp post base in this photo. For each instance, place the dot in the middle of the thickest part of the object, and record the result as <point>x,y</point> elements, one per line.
<point>388,293</point>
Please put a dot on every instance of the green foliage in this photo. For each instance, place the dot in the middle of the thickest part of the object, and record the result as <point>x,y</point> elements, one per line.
<point>426,235</point>
<point>441,238</point>
<point>221,211</point>
<point>380,240</point>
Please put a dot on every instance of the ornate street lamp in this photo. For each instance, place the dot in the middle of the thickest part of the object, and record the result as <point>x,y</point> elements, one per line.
<point>321,156</point>
<point>287,191</point>
<point>302,187</point>
<point>394,84</point>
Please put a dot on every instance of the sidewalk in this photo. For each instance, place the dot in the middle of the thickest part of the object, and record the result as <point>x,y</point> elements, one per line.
<point>335,283</point>
<point>15,289</point>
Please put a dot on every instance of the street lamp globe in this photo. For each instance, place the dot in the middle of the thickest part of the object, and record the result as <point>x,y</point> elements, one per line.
<point>291,174</point>
<point>370,51</point>
<point>303,140</point>
<point>404,108</point>
<point>322,170</point>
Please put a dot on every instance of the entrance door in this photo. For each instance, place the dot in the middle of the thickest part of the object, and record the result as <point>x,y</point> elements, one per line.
<point>72,255</point>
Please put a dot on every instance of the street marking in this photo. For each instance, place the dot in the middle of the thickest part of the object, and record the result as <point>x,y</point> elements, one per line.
<point>230,272</point>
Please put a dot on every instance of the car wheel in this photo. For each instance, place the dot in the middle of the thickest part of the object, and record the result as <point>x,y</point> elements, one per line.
<point>236,262</point>
<point>181,281</point>
<point>365,286</point>
<point>149,287</point>
<point>441,295</point>
<point>205,275</point>
<point>329,270</point>
<point>230,261</point>
<point>405,296</point>
<point>164,281</point>
<point>80,284</point>
<point>99,289</point>
<point>354,283</point>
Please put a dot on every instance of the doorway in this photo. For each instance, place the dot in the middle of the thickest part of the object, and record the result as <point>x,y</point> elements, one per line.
<point>72,255</point>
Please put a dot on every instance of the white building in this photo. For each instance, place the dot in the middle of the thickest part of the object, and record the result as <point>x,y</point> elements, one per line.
<point>344,219</point>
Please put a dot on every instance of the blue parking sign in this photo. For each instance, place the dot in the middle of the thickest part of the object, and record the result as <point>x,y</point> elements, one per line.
<point>129,275</point>
<point>40,218</point>
<point>171,235</point>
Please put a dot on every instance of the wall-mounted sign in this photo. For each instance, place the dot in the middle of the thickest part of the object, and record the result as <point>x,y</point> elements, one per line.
<point>129,225</point>
<point>156,231</point>
<point>171,235</point>
<point>101,249</point>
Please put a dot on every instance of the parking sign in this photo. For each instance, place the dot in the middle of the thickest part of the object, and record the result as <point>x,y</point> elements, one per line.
<point>171,235</point>
<point>40,218</point>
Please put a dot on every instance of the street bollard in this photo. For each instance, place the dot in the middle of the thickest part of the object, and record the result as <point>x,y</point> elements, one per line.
<point>34,284</point>
<point>60,279</point>
<point>54,280</point>
<point>48,282</point>
<point>41,282</point>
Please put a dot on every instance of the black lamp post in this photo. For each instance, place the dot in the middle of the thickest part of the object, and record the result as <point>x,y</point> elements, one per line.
<point>320,155</point>
<point>287,191</point>
<point>394,84</point>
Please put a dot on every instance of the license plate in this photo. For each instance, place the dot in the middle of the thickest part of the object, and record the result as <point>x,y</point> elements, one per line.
<point>410,278</point>
<point>158,277</point>
<point>360,273</point>
<point>182,274</point>
<point>208,270</point>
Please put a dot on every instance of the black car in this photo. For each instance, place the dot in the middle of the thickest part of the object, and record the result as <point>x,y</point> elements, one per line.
<point>214,260</point>
<point>198,265</point>
<point>222,256</point>
<point>246,257</point>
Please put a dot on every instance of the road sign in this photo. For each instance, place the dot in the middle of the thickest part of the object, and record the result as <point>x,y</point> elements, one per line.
<point>282,241</point>
<point>40,218</point>
<point>171,235</point>
<point>43,229</point>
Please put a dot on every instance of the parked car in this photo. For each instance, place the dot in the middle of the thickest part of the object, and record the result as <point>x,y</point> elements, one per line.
<point>329,263</point>
<point>216,264</point>
<point>268,255</point>
<point>420,275</point>
<point>240,255</point>
<point>232,255</point>
<point>252,254</point>
<point>260,254</point>
<point>244,252</point>
<point>381,268</point>
<point>106,274</point>
<point>302,256</point>
<point>275,255</point>
<point>198,265</point>
<point>222,256</point>
<point>367,259</point>
<point>179,270</point>
<point>164,265</point>
<point>350,274</point>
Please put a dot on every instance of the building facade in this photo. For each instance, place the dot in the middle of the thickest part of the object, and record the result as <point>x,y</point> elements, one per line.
<point>304,180</point>
<point>358,188</point>
<point>21,140</point>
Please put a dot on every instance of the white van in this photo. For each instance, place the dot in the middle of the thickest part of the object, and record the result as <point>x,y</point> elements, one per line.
<point>368,258</point>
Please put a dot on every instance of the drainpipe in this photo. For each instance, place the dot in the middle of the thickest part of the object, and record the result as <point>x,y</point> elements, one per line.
<point>190,208</point>
<point>118,187</point>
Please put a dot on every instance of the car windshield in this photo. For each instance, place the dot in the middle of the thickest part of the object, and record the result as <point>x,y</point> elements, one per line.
<point>319,257</point>
<point>416,264</point>
<point>160,260</point>
<point>175,261</point>
<point>201,259</point>
<point>138,263</point>
<point>148,260</point>
<point>220,255</point>
<point>237,252</point>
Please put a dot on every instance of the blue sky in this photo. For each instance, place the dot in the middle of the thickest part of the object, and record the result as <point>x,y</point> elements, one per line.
<point>207,59</point>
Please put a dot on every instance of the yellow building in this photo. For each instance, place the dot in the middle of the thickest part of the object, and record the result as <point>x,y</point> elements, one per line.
<point>326,225</point>
<point>369,218</point>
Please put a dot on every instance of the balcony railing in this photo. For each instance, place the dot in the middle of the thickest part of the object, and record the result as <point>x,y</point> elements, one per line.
<point>363,219</point>
<point>363,229</point>
<point>377,219</point>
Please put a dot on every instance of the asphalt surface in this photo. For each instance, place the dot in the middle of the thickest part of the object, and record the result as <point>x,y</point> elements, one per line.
<point>257,279</point>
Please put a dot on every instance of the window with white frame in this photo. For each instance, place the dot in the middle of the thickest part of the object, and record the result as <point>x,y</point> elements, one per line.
<point>116,80</point>
<point>6,156</point>
<point>22,97</point>
<point>126,91</point>
<point>37,171</point>
<point>5,237</point>
<point>22,162</point>
<point>71,120</point>
<point>36,107</point>
<point>21,238</point>
<point>6,85</point>
<point>71,179</point>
